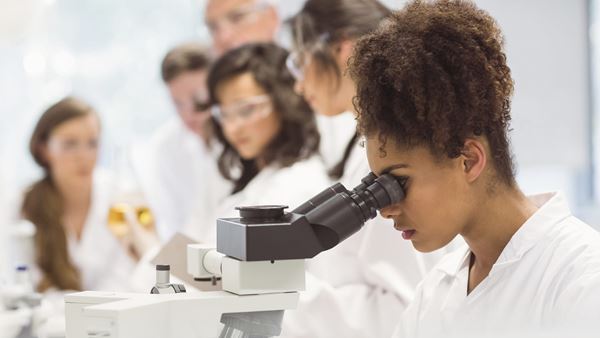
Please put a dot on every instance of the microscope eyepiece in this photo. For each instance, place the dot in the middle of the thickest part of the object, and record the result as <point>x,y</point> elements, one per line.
<point>267,233</point>
<point>262,212</point>
<point>375,193</point>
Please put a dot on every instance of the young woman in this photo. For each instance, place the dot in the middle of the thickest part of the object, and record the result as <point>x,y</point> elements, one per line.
<point>74,249</point>
<point>434,94</point>
<point>267,131</point>
<point>358,288</point>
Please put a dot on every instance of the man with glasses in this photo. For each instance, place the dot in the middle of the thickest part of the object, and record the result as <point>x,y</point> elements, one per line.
<point>180,163</point>
<point>233,23</point>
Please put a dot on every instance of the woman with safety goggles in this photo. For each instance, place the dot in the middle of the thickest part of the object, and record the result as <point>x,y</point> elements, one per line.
<point>267,131</point>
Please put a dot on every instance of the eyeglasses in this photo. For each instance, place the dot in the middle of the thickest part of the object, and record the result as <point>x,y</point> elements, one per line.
<point>296,64</point>
<point>198,104</point>
<point>254,107</point>
<point>298,60</point>
<point>237,18</point>
<point>71,147</point>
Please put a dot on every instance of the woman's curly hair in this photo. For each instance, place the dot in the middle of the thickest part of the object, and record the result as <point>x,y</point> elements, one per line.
<point>434,74</point>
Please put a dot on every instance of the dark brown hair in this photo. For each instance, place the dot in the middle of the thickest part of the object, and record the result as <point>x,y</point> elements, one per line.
<point>298,137</point>
<point>435,75</point>
<point>185,58</point>
<point>43,204</point>
<point>324,22</point>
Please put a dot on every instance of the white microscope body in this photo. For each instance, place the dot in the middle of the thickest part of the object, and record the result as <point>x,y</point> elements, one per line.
<point>260,259</point>
<point>248,287</point>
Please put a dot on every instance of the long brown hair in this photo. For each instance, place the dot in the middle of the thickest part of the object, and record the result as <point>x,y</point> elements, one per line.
<point>298,138</point>
<point>43,204</point>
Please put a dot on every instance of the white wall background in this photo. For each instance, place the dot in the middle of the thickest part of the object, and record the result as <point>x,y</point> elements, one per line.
<point>548,50</point>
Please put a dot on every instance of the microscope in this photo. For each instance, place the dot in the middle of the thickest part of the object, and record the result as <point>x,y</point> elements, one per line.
<point>260,258</point>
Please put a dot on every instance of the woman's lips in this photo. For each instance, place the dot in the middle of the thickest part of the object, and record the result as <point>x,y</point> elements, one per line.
<point>407,234</point>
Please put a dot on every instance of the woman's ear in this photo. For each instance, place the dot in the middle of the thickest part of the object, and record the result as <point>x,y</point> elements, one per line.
<point>474,159</point>
<point>343,52</point>
<point>43,153</point>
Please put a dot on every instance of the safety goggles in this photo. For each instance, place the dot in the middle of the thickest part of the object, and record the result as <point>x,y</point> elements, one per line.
<point>299,59</point>
<point>71,147</point>
<point>252,108</point>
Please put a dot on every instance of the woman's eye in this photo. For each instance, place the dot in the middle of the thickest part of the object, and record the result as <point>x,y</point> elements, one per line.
<point>93,144</point>
<point>247,110</point>
<point>70,144</point>
<point>402,180</point>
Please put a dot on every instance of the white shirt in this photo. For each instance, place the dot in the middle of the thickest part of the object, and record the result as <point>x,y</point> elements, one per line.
<point>102,262</point>
<point>175,169</point>
<point>547,277</point>
<point>289,186</point>
<point>358,288</point>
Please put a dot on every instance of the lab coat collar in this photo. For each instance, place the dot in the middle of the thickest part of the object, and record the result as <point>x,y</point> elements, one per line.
<point>553,208</point>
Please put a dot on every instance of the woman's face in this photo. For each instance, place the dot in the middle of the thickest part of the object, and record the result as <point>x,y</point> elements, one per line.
<point>72,149</point>
<point>326,93</point>
<point>438,198</point>
<point>246,115</point>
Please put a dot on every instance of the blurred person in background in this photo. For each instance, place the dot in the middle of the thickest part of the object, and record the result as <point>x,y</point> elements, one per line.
<point>358,288</point>
<point>232,23</point>
<point>268,144</point>
<point>181,163</point>
<point>74,249</point>
<point>267,132</point>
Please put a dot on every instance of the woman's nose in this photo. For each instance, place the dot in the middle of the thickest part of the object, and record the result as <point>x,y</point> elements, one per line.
<point>233,127</point>
<point>390,211</point>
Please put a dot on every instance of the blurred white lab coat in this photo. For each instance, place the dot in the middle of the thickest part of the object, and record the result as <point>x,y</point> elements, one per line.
<point>4,220</point>
<point>335,133</point>
<point>289,186</point>
<point>102,262</point>
<point>175,169</point>
<point>547,279</point>
<point>358,288</point>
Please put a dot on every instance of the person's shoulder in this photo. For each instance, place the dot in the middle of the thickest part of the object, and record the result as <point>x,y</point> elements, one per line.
<point>168,133</point>
<point>310,169</point>
<point>575,247</point>
<point>294,184</point>
<point>576,242</point>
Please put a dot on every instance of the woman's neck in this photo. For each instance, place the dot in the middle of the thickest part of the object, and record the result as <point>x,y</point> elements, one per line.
<point>74,195</point>
<point>260,163</point>
<point>498,219</point>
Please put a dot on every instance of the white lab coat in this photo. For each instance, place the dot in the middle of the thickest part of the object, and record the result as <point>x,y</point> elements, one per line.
<point>4,220</point>
<point>289,186</point>
<point>546,278</point>
<point>102,262</point>
<point>175,169</point>
<point>358,288</point>
<point>335,133</point>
